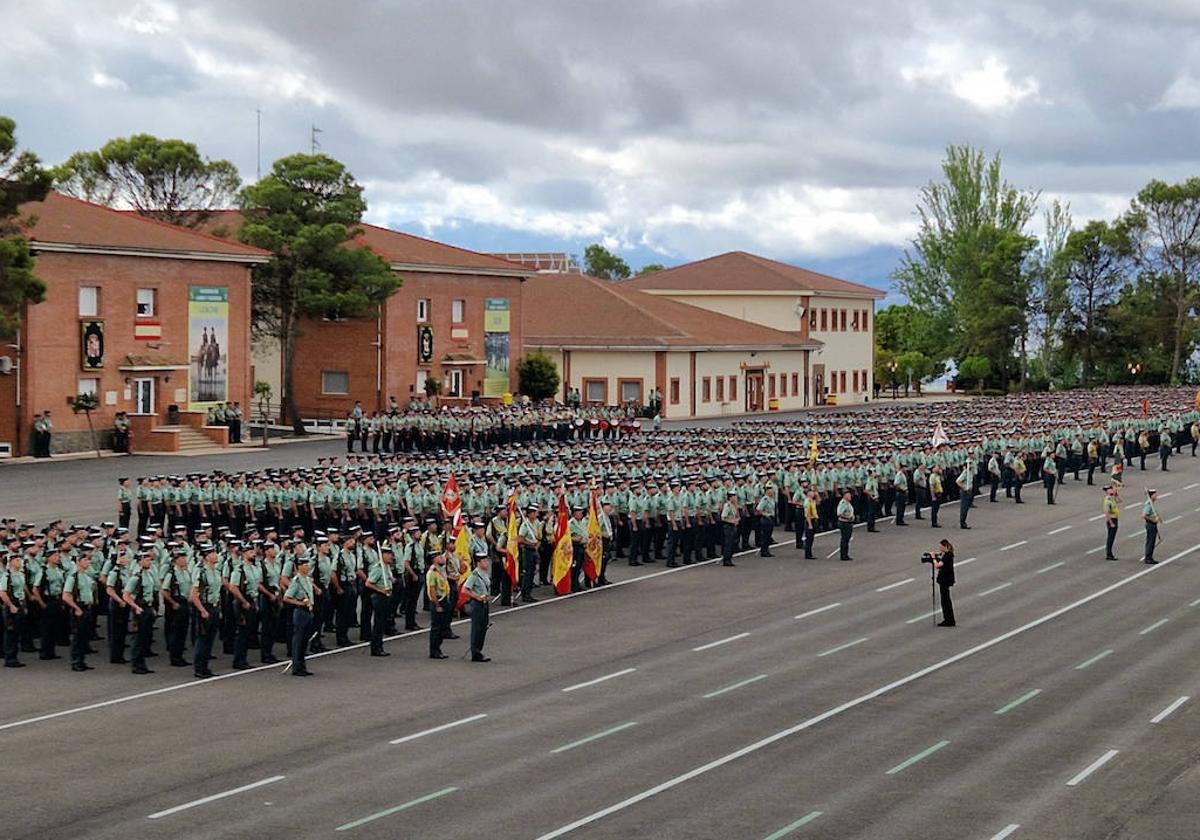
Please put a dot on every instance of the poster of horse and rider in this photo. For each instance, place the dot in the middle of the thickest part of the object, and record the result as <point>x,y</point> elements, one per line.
<point>208,342</point>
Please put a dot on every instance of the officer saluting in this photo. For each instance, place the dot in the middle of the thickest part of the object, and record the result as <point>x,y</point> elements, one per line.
<point>477,587</point>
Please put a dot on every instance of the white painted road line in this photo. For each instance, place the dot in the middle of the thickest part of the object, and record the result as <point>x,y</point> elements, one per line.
<point>185,806</point>
<point>1004,585</point>
<point>1168,493</point>
<point>843,647</point>
<point>1005,832</point>
<point>1045,569</point>
<point>894,585</point>
<point>818,610</point>
<point>1173,519</point>
<point>1094,550</point>
<point>436,729</point>
<point>1058,530</point>
<point>811,722</point>
<point>1092,768</point>
<point>922,617</point>
<point>1015,545</point>
<point>1192,486</point>
<point>719,643</point>
<point>1161,716</point>
<point>600,679</point>
<point>1094,518</point>
<point>968,560</point>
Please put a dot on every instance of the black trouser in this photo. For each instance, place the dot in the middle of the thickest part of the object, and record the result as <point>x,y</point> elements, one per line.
<point>380,604</point>
<point>268,626</point>
<point>673,540</point>
<point>51,625</point>
<point>935,504</point>
<point>847,529</point>
<point>176,625</point>
<point>343,606</point>
<point>1112,538</point>
<point>82,636</point>
<point>578,555</point>
<point>871,506</point>
<point>145,635</point>
<point>810,533</point>
<point>1151,540</point>
<point>728,542</point>
<point>206,633</point>
<point>439,626</point>
<point>247,618</point>
<point>766,525</point>
<point>994,483</point>
<point>964,507</point>
<point>1048,483</point>
<point>118,625</point>
<point>479,626</point>
<point>947,604</point>
<point>412,594</point>
<point>901,501</point>
<point>918,500</point>
<point>528,557</point>
<point>14,627</point>
<point>302,622</point>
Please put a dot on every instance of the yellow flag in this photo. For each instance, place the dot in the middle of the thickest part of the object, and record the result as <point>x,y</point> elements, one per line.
<point>812,452</point>
<point>462,548</point>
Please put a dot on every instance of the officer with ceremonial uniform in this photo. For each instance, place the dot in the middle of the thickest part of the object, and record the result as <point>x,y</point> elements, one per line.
<point>206,608</point>
<point>437,590</point>
<point>176,592</point>
<point>380,583</point>
<point>476,587</point>
<point>1151,518</point>
<point>301,597</point>
<point>1112,513</point>
<point>766,521</point>
<point>79,594</point>
<point>141,594</point>
<point>15,601</point>
<point>730,514</point>
<point>845,517</point>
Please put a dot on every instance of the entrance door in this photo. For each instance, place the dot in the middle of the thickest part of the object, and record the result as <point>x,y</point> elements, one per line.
<point>143,396</point>
<point>818,384</point>
<point>754,390</point>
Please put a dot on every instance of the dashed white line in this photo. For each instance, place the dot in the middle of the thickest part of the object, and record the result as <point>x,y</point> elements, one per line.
<point>1094,550</point>
<point>436,729</point>
<point>968,560</point>
<point>1173,519</point>
<point>1094,518</point>
<point>720,642</point>
<point>1192,486</point>
<point>843,647</point>
<point>894,585</point>
<point>1015,545</point>
<point>1168,493</point>
<point>1093,767</point>
<point>818,610</point>
<point>1005,832</point>
<point>1045,569</point>
<point>1058,530</point>
<point>1004,585</point>
<point>1161,716</point>
<point>600,679</point>
<point>224,794</point>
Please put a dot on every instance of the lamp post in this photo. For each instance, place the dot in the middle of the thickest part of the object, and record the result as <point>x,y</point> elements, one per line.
<point>1134,369</point>
<point>892,368</point>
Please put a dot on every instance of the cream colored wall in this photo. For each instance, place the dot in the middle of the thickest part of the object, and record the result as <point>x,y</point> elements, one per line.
<point>730,363</point>
<point>679,366</point>
<point>775,311</point>
<point>846,351</point>
<point>611,366</point>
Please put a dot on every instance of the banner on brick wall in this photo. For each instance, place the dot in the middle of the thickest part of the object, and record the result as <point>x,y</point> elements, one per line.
<point>496,346</point>
<point>208,343</point>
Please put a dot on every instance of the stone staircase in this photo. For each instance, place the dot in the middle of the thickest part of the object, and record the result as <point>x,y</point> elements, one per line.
<point>191,440</point>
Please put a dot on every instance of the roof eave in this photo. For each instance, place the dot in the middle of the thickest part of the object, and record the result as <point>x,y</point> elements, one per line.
<point>519,274</point>
<point>122,251</point>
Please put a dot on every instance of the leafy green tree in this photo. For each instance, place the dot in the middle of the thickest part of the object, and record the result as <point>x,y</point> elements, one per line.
<point>902,327</point>
<point>1165,221</point>
<point>885,375</point>
<point>913,366</point>
<point>22,179</point>
<point>306,212</point>
<point>966,264</point>
<point>87,403</point>
<point>1049,303</point>
<point>537,377</point>
<point>599,262</point>
<point>1140,326</point>
<point>650,268</point>
<point>1096,263</point>
<point>166,180</point>
<point>975,370</point>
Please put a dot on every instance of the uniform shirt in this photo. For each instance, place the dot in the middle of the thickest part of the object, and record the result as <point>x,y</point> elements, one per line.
<point>436,584</point>
<point>845,511</point>
<point>1149,512</point>
<point>479,583</point>
<point>209,582</point>
<point>143,585</point>
<point>766,506</point>
<point>1111,507</point>
<point>13,582</point>
<point>82,586</point>
<point>380,576</point>
<point>178,582</point>
<point>300,589</point>
<point>246,577</point>
<point>49,579</point>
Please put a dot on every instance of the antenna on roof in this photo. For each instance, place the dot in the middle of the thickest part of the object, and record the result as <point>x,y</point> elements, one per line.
<point>315,144</point>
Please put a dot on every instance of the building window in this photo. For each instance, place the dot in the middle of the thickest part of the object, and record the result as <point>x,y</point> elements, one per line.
<point>866,320</point>
<point>595,391</point>
<point>855,382</point>
<point>843,320</point>
<point>88,385</point>
<point>706,389</point>
<point>795,384</point>
<point>720,389</point>
<point>771,385</point>
<point>854,321</point>
<point>145,303</point>
<point>89,301</point>
<point>335,382</point>
<point>732,388</point>
<point>863,378</point>
<point>675,390</point>
<point>812,319</point>
<point>422,375</point>
<point>630,390</point>
<point>454,383</point>
<point>843,389</point>
<point>456,310</point>
<point>783,384</point>
<point>422,310</point>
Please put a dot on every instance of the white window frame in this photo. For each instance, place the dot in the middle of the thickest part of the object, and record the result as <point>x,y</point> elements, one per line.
<point>454,382</point>
<point>89,301</point>
<point>422,310</point>
<point>458,310</point>
<point>419,384</point>
<point>595,383</point>
<point>151,389</point>
<point>150,302</point>
<point>83,388</point>
<point>325,386</point>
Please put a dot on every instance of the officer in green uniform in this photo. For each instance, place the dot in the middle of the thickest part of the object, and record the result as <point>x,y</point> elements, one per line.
<point>47,582</point>
<point>14,599</point>
<point>300,595</point>
<point>766,521</point>
<point>176,592</point>
<point>477,586</point>
<point>79,594</point>
<point>206,609</point>
<point>845,517</point>
<point>243,586</point>
<point>380,583</point>
<point>1151,518</point>
<point>141,594</point>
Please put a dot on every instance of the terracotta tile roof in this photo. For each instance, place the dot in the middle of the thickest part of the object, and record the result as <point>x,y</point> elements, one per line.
<point>394,246</point>
<point>740,271</point>
<point>564,310</point>
<point>62,220</point>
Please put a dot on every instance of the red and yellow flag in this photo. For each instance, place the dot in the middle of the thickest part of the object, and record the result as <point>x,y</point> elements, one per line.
<point>560,567</point>
<point>593,561</point>
<point>512,551</point>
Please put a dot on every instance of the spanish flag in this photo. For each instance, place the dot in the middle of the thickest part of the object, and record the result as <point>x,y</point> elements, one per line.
<point>560,567</point>
<point>462,547</point>
<point>812,452</point>
<point>593,561</point>
<point>512,551</point>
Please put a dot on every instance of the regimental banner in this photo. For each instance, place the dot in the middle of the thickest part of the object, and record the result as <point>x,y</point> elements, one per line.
<point>91,345</point>
<point>424,344</point>
<point>208,346</point>
<point>496,335</point>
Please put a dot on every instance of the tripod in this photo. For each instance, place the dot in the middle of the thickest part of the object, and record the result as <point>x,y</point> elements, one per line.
<point>933,592</point>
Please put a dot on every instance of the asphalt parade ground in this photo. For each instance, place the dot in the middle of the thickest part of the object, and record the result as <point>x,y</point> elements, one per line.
<point>782,698</point>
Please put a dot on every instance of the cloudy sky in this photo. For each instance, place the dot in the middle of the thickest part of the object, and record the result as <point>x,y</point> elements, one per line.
<point>667,129</point>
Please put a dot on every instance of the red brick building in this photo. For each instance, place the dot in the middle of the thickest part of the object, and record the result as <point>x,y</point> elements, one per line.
<point>457,319</point>
<point>144,314</point>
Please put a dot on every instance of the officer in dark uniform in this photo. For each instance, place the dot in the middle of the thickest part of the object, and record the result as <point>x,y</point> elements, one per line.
<point>944,564</point>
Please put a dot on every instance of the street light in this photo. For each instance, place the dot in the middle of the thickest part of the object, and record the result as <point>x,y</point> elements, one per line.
<point>893,367</point>
<point>1134,369</point>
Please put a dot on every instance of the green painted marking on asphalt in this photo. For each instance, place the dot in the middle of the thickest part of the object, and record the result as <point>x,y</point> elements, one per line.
<point>1154,626</point>
<point>396,810</point>
<point>788,829</point>
<point>923,754</point>
<point>735,686</point>
<point>1093,660</point>
<point>595,737</point>
<point>843,647</point>
<point>1029,695</point>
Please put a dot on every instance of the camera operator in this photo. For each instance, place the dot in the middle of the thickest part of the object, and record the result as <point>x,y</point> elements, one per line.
<point>943,562</point>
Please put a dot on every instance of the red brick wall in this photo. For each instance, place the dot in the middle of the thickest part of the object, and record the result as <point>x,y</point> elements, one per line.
<point>52,358</point>
<point>347,345</point>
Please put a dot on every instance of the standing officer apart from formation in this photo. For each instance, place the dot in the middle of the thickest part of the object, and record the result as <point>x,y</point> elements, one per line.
<point>944,564</point>
<point>1150,515</point>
